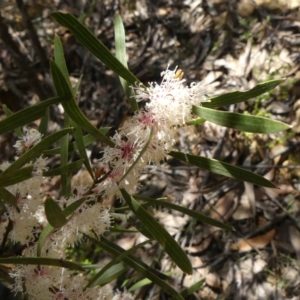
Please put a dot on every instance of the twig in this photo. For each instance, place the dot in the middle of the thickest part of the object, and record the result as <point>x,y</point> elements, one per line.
<point>33,35</point>
<point>22,61</point>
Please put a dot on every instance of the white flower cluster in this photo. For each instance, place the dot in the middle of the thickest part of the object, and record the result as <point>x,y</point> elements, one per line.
<point>168,106</point>
<point>144,139</point>
<point>49,282</point>
<point>27,193</point>
<point>28,140</point>
<point>53,283</point>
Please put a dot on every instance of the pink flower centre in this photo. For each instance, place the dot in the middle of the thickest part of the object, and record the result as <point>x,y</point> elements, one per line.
<point>147,119</point>
<point>127,151</point>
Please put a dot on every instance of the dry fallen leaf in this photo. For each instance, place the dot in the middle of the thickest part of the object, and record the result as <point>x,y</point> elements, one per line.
<point>245,7</point>
<point>225,207</point>
<point>201,247</point>
<point>258,242</point>
<point>244,210</point>
<point>213,280</point>
<point>82,178</point>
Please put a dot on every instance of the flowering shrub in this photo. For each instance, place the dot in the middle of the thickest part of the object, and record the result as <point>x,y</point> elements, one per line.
<point>46,227</point>
<point>150,134</point>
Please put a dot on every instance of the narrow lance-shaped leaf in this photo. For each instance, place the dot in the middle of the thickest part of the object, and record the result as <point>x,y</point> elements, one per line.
<point>9,113</point>
<point>237,96</point>
<point>64,159</point>
<point>117,259</point>
<point>222,168</point>
<point>140,284</point>
<point>81,148</point>
<point>87,140</point>
<point>159,233</point>
<point>113,273</point>
<point>240,122</point>
<point>93,45</point>
<point>15,176</point>
<point>72,108</point>
<point>36,150</point>
<point>61,63</point>
<point>186,211</point>
<point>192,289</point>
<point>59,58</point>
<point>72,207</point>
<point>43,127</point>
<point>8,197</point>
<point>28,114</point>
<point>138,265</point>
<point>121,56</point>
<point>62,89</point>
<point>48,229</point>
<point>61,84</point>
<point>69,168</point>
<point>196,121</point>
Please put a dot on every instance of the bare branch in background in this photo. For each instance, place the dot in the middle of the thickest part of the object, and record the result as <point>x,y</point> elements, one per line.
<point>33,35</point>
<point>22,61</point>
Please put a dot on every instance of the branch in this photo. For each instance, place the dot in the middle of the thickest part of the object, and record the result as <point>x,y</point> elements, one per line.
<point>33,35</point>
<point>22,61</point>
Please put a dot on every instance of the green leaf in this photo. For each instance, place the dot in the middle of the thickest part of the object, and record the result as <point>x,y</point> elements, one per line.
<point>54,213</point>
<point>186,211</point>
<point>222,168</point>
<point>76,88</point>
<point>155,276</point>
<point>61,64</point>
<point>121,230</point>
<point>81,148</point>
<point>15,176</point>
<point>63,88</point>
<point>196,121</point>
<point>121,56</point>
<point>71,106</point>
<point>36,150</point>
<point>237,96</point>
<point>114,272</point>
<point>140,284</point>
<point>9,113</point>
<point>159,233</point>
<point>239,121</point>
<point>43,127</point>
<point>48,228</point>
<point>8,197</point>
<point>141,228</point>
<point>69,168</point>
<point>93,45</point>
<point>60,61</point>
<point>72,207</point>
<point>27,115</point>
<point>42,261</point>
<point>61,84</point>
<point>87,140</point>
<point>95,280</point>
<point>192,289</point>
<point>64,159</point>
